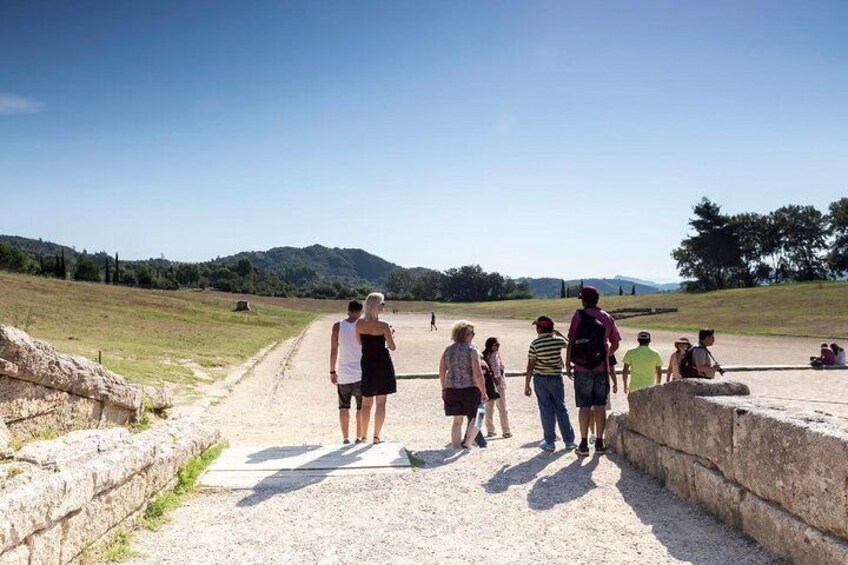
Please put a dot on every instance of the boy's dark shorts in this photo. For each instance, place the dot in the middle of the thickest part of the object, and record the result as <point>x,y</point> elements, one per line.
<point>591,388</point>
<point>348,391</point>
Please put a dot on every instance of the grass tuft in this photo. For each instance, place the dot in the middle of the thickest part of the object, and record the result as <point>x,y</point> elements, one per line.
<point>414,460</point>
<point>117,549</point>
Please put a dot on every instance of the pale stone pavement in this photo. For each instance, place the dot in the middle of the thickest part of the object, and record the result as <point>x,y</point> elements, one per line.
<point>508,503</point>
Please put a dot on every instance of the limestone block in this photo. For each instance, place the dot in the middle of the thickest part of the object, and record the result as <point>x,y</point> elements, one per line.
<point>15,556</point>
<point>74,447</point>
<point>682,415</point>
<point>113,414</point>
<point>643,454</point>
<point>105,511</point>
<point>46,546</point>
<point>678,470</point>
<point>784,535</point>
<point>5,436</point>
<point>37,362</point>
<point>158,398</point>
<point>720,496</point>
<point>799,463</point>
<point>616,424</point>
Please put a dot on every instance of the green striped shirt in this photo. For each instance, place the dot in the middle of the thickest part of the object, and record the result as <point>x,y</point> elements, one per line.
<point>546,350</point>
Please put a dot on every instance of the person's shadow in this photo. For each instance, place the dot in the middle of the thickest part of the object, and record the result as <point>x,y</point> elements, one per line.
<point>569,483</point>
<point>514,475</point>
<point>433,458</point>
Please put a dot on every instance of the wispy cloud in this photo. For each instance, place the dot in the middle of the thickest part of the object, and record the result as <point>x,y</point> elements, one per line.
<point>11,104</point>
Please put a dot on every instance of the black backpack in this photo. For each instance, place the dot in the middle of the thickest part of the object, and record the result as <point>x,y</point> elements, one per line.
<point>589,347</point>
<point>686,367</point>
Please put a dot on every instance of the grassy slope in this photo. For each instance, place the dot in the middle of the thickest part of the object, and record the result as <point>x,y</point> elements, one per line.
<point>147,336</point>
<point>810,309</point>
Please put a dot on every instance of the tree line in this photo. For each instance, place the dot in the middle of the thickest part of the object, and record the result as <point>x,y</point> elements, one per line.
<point>469,283</point>
<point>792,243</point>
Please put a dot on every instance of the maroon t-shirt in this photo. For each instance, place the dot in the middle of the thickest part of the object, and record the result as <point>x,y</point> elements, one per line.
<point>610,336</point>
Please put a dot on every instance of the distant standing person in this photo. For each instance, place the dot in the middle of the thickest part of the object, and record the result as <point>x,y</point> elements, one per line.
<point>463,387</point>
<point>592,338</point>
<point>698,362</point>
<point>645,364</point>
<point>378,373</point>
<point>492,357</point>
<point>681,346</point>
<point>544,366</point>
<point>433,322</point>
<point>346,369</point>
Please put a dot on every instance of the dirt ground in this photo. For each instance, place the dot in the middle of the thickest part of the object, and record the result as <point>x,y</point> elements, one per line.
<point>508,503</point>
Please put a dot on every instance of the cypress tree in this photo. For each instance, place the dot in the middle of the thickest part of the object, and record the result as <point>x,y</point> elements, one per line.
<point>117,276</point>
<point>568,292</point>
<point>63,273</point>
<point>107,278</point>
<point>620,291</point>
<point>633,290</point>
<point>581,284</point>
<point>41,264</point>
<point>57,268</point>
<point>562,290</point>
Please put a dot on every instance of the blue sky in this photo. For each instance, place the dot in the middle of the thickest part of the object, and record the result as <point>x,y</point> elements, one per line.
<point>557,139</point>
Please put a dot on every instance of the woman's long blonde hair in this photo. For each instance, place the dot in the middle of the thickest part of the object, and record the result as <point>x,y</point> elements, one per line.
<point>372,305</point>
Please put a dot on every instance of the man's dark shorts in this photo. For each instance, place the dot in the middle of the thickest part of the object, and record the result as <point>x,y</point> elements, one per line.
<point>346,392</point>
<point>591,388</point>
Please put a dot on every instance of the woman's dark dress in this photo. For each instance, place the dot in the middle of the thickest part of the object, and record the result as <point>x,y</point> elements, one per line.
<point>378,372</point>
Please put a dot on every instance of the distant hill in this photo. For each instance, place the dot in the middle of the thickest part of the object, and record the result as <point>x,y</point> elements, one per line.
<point>663,287</point>
<point>550,288</point>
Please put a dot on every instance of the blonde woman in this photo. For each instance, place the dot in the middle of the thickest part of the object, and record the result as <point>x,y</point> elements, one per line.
<point>463,387</point>
<point>378,372</point>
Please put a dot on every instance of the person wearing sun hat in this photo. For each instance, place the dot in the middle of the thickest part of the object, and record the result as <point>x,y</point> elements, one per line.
<point>644,363</point>
<point>681,346</point>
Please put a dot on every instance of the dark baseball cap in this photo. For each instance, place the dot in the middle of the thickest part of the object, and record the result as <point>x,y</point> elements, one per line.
<point>588,291</point>
<point>544,323</point>
<point>643,335</point>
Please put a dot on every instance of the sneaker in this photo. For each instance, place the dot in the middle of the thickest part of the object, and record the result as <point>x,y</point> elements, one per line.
<point>599,446</point>
<point>570,446</point>
<point>583,448</point>
<point>481,441</point>
<point>547,446</point>
<point>346,441</point>
<point>507,435</point>
<point>359,440</point>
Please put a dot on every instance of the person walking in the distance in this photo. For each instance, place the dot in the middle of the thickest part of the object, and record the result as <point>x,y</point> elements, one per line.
<point>645,364</point>
<point>346,369</point>
<point>463,387</point>
<point>544,366</point>
<point>378,373</point>
<point>592,338</point>
<point>433,322</point>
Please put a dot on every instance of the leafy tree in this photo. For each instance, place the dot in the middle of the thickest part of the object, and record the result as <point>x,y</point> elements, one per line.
<point>244,268</point>
<point>754,240</point>
<point>86,269</point>
<point>145,275</point>
<point>803,235</point>
<point>837,258</point>
<point>399,282</point>
<point>13,259</point>
<point>711,254</point>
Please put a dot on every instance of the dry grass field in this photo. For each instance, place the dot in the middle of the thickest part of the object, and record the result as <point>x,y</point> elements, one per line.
<point>147,336</point>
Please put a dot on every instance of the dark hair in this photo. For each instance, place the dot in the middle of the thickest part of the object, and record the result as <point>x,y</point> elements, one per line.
<point>704,333</point>
<point>590,300</point>
<point>644,341</point>
<point>490,343</point>
<point>354,306</point>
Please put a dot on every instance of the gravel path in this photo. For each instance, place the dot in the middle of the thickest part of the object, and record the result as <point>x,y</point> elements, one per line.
<point>509,503</point>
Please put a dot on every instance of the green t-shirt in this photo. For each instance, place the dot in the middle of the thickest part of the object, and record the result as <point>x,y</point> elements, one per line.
<point>643,363</point>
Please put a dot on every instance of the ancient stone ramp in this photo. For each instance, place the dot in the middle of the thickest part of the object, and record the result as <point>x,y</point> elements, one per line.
<point>273,467</point>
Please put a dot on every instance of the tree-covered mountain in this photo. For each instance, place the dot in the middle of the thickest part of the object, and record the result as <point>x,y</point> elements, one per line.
<point>318,263</point>
<point>552,288</point>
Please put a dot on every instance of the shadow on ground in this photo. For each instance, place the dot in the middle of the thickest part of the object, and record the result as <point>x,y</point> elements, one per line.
<point>521,474</point>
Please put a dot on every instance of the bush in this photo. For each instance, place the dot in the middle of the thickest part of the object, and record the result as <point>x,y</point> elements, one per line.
<point>87,270</point>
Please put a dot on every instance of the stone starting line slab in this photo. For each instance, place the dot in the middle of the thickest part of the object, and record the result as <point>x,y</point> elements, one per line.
<point>257,467</point>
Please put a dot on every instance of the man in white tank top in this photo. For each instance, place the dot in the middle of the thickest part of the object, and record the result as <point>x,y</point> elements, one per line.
<point>345,369</point>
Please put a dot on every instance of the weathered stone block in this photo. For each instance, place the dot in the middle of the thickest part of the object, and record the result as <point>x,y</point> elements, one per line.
<point>681,415</point>
<point>678,471</point>
<point>37,362</point>
<point>74,447</point>
<point>158,398</point>
<point>799,463</point>
<point>643,454</point>
<point>46,546</point>
<point>15,556</point>
<point>720,496</point>
<point>784,535</point>
<point>5,437</point>
<point>616,424</point>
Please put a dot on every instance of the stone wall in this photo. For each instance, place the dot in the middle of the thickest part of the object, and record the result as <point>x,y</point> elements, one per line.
<point>40,389</point>
<point>77,489</point>
<point>779,477</point>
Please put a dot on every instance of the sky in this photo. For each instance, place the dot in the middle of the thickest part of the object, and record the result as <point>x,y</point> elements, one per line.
<point>564,139</point>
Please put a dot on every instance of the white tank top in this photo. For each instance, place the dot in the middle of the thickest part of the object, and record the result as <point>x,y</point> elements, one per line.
<point>349,369</point>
